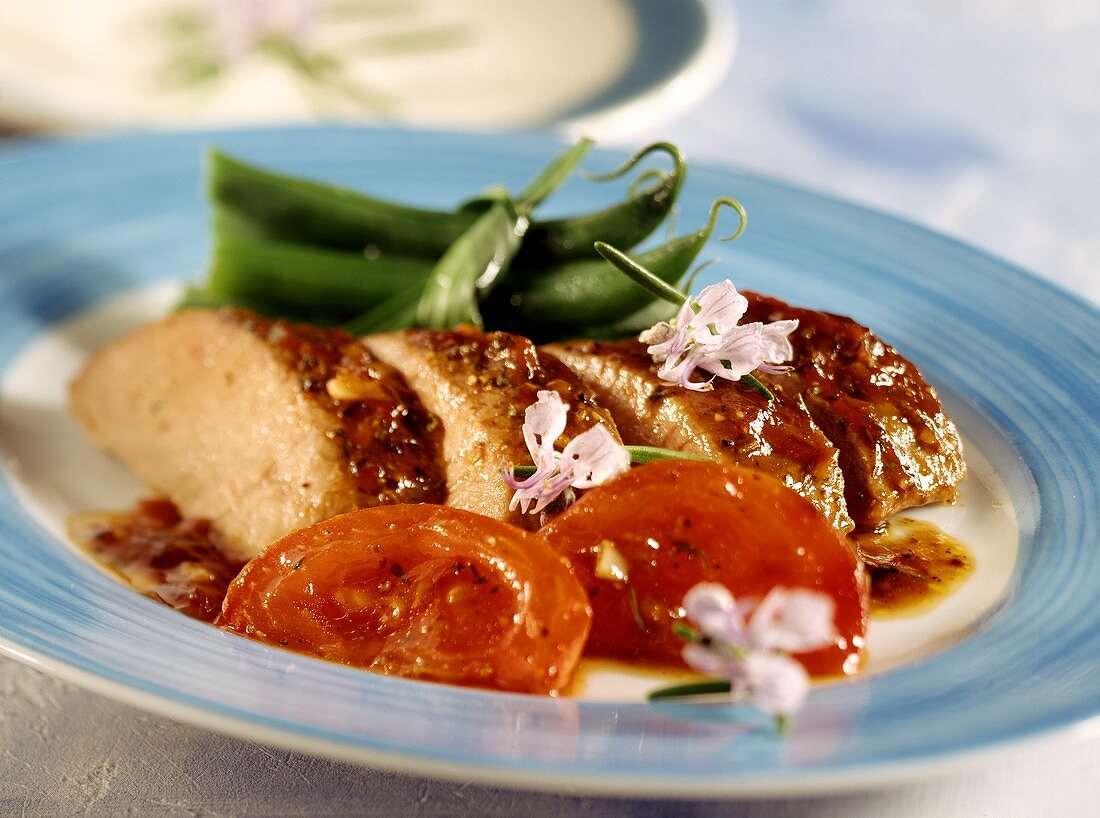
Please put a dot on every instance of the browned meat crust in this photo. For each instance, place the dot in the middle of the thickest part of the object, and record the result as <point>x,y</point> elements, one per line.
<point>730,423</point>
<point>479,385</point>
<point>897,447</point>
<point>230,416</point>
<point>390,443</point>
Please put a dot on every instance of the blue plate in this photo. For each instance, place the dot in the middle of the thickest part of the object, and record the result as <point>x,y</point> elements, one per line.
<point>81,221</point>
<point>683,50</point>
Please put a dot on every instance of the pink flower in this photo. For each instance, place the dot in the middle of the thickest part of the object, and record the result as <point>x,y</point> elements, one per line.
<point>239,26</point>
<point>749,643</point>
<point>591,458</point>
<point>793,621</point>
<point>706,335</point>
<point>773,683</point>
<point>716,614</point>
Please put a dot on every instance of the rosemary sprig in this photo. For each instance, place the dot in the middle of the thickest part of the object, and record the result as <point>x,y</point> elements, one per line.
<point>704,688</point>
<point>655,286</point>
<point>638,454</point>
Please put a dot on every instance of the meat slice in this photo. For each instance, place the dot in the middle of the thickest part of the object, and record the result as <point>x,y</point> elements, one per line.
<point>897,447</point>
<point>479,385</point>
<point>259,426</point>
<point>729,423</point>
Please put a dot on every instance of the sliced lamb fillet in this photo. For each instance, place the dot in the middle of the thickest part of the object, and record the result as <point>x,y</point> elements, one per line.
<point>260,426</point>
<point>479,385</point>
<point>729,423</point>
<point>898,448</point>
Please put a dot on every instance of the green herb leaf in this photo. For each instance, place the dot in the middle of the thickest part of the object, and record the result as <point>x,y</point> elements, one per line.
<point>626,265</point>
<point>639,455</point>
<point>757,386</point>
<point>472,264</point>
<point>647,454</point>
<point>624,224</point>
<point>709,687</point>
<point>653,284</point>
<point>686,632</point>
<point>553,176</point>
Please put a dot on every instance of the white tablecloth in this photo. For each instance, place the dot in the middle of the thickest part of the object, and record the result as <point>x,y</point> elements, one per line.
<point>981,119</point>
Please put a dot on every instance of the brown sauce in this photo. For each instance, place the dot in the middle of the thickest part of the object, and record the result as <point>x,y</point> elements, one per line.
<point>168,558</point>
<point>177,561</point>
<point>913,564</point>
<point>391,444</point>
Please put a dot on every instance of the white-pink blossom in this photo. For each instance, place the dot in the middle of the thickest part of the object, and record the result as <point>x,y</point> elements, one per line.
<point>748,643</point>
<point>716,613</point>
<point>775,684</point>
<point>239,26</point>
<point>794,621</point>
<point>591,458</point>
<point>705,335</point>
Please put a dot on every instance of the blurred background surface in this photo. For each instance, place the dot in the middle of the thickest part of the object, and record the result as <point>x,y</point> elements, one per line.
<point>980,119</point>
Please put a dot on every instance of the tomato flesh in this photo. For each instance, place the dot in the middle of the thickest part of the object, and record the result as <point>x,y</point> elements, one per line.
<point>673,524</point>
<point>421,591</point>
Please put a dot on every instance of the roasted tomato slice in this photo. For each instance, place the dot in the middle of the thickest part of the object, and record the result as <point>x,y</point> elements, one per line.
<point>421,591</point>
<point>639,542</point>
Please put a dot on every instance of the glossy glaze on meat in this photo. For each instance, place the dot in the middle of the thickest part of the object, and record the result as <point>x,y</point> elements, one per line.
<point>390,443</point>
<point>730,423</point>
<point>230,417</point>
<point>898,448</point>
<point>479,385</point>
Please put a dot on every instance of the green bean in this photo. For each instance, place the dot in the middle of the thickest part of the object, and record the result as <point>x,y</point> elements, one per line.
<point>228,222</point>
<point>623,225</point>
<point>307,279</point>
<point>294,209</point>
<point>593,293</point>
<point>470,267</point>
<point>395,313</point>
<point>474,261</point>
<point>584,292</point>
<point>637,322</point>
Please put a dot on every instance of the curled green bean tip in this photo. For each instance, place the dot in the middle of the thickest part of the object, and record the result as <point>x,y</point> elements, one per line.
<point>679,163</point>
<point>651,175</point>
<point>737,208</point>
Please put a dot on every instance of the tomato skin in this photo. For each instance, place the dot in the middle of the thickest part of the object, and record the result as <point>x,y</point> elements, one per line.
<point>679,522</point>
<point>421,591</point>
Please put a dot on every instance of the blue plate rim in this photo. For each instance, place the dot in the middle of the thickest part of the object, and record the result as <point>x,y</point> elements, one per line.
<point>805,781</point>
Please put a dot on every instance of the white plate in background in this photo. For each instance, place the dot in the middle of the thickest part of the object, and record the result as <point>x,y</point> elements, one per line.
<point>606,67</point>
